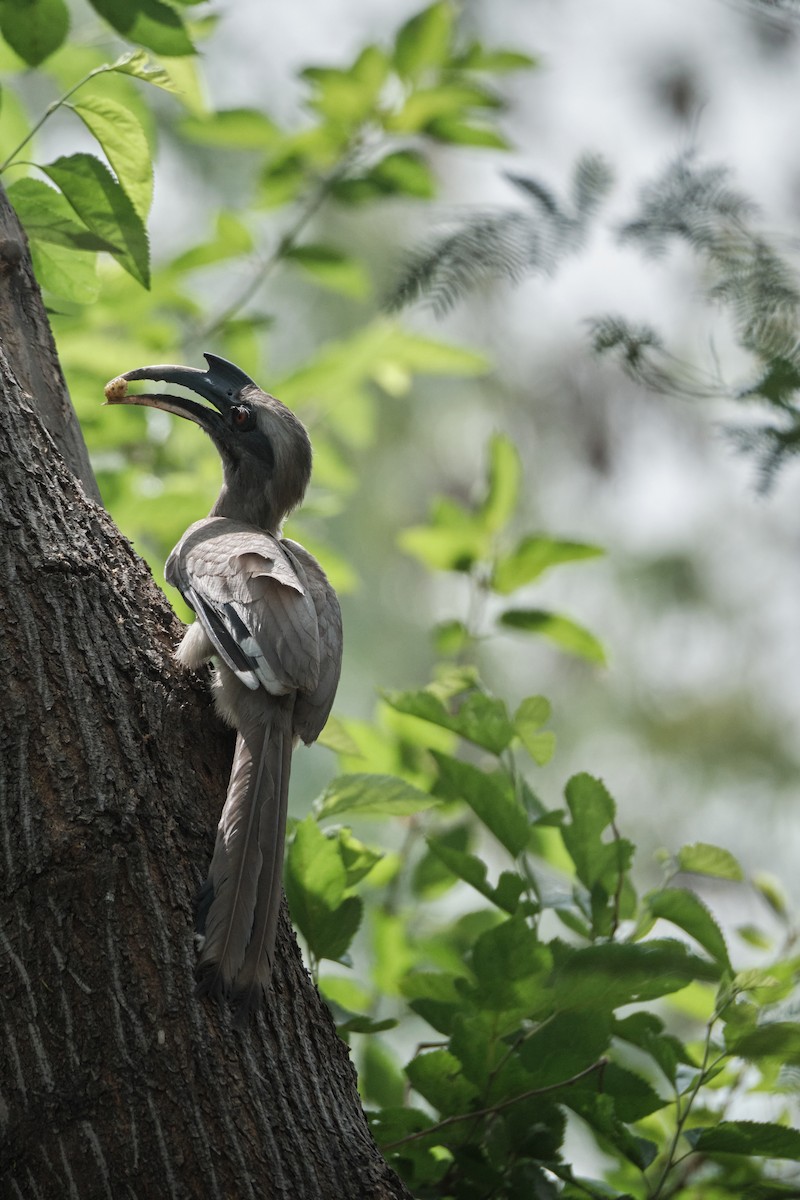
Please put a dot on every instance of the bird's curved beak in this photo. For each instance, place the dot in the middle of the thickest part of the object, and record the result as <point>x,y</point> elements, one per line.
<point>220,384</point>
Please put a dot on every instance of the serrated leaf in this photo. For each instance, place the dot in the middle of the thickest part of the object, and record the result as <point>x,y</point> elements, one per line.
<point>606,976</point>
<point>592,812</point>
<point>687,911</point>
<point>316,882</point>
<point>438,1078</point>
<point>34,29</point>
<point>464,866</point>
<point>148,22</point>
<point>533,556</point>
<point>566,1044</point>
<point>701,858</point>
<point>373,796</point>
<point>47,217</point>
<point>140,66</point>
<point>773,1039</point>
<point>511,967</point>
<point>331,269</point>
<point>423,42</point>
<point>490,796</point>
<point>565,633</point>
<point>475,716</point>
<point>124,144</point>
<point>105,209</point>
<point>759,1138</point>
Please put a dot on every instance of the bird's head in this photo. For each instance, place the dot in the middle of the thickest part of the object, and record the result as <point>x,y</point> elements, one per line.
<point>265,449</point>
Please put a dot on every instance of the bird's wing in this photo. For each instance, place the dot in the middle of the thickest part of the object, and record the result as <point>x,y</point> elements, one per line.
<point>253,601</point>
<point>313,706</point>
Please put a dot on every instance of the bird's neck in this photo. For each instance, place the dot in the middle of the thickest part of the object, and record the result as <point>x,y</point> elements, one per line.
<point>251,507</point>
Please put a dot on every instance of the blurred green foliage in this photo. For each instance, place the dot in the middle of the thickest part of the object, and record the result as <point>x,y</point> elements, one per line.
<point>504,934</point>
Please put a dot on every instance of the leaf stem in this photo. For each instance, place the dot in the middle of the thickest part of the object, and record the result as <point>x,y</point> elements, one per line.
<point>314,202</point>
<point>596,1067</point>
<point>682,1116</point>
<point>51,108</point>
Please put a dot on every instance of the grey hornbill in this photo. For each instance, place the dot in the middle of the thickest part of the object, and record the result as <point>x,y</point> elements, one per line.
<point>268,616</point>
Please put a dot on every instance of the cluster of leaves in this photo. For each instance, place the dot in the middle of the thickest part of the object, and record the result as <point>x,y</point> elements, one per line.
<point>368,135</point>
<point>474,541</point>
<point>563,999</point>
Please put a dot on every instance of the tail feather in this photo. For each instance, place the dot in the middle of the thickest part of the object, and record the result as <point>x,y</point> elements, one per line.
<point>235,866</point>
<point>253,979</point>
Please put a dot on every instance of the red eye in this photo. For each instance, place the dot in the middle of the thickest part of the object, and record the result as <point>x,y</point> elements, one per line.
<point>242,417</point>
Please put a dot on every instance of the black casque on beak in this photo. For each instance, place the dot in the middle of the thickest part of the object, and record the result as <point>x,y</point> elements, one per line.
<point>221,385</point>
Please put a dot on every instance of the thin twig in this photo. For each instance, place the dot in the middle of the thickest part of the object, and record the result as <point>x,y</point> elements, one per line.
<point>51,108</point>
<point>496,1108</point>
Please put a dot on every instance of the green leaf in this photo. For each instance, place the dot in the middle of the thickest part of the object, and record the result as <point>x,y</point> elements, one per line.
<point>759,1138</point>
<point>490,796</point>
<point>773,1039</point>
<point>464,133</point>
<point>592,811</point>
<point>475,716</point>
<point>380,1079</point>
<point>567,1043</point>
<point>336,737</point>
<point>63,250</point>
<point>124,143</point>
<point>438,1078</point>
<point>148,22</point>
<point>472,870</point>
<point>105,209</point>
<point>532,713</point>
<point>454,540</point>
<point>358,858</point>
<point>316,883</point>
<point>140,66</point>
<point>566,634</point>
<point>604,977</point>
<point>533,556</point>
<point>404,172</point>
<point>331,269</point>
<point>373,796</point>
<point>687,911</point>
<point>504,476</point>
<point>511,967</point>
<point>441,108</point>
<point>477,58</point>
<point>701,858</point>
<point>233,129</point>
<point>47,217</point>
<point>423,42</point>
<point>34,28</point>
<point>646,1031</point>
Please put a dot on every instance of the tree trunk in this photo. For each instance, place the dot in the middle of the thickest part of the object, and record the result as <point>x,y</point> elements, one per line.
<point>114,1080</point>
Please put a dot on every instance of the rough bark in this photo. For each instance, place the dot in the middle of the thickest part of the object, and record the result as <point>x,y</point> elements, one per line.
<point>114,1080</point>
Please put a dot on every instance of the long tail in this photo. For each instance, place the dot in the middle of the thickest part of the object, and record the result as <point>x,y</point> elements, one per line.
<point>244,879</point>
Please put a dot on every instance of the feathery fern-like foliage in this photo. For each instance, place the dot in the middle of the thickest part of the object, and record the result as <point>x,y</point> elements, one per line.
<point>504,244</point>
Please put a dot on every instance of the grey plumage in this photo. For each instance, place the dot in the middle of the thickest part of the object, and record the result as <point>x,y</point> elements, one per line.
<point>269,618</point>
